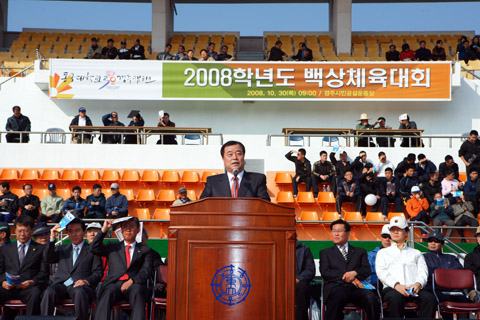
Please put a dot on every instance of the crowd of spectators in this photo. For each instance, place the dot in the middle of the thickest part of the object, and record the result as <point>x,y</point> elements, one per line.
<point>206,54</point>
<point>136,52</point>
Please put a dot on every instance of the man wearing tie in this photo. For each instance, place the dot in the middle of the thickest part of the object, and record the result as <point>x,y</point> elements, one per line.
<point>236,182</point>
<point>343,267</point>
<point>78,274</point>
<point>130,265</point>
<point>23,258</point>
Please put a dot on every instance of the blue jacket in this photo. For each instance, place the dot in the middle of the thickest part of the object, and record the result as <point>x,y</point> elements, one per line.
<point>372,256</point>
<point>439,260</point>
<point>442,213</point>
<point>406,185</point>
<point>99,210</point>
<point>422,173</point>
<point>305,266</point>
<point>78,207</point>
<point>118,201</point>
<point>470,187</point>
<point>341,190</point>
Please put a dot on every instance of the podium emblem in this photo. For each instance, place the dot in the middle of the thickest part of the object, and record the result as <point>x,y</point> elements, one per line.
<point>231,285</point>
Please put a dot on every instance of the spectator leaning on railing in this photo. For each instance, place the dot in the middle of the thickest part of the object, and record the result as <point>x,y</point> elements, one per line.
<point>17,122</point>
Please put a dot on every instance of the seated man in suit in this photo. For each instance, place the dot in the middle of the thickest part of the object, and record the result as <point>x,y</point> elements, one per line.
<point>130,265</point>
<point>236,182</point>
<point>304,274</point>
<point>78,274</point>
<point>403,272</point>
<point>25,259</point>
<point>343,267</point>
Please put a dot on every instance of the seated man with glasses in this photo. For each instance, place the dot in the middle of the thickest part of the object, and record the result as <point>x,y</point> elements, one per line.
<point>343,268</point>
<point>372,255</point>
<point>436,259</point>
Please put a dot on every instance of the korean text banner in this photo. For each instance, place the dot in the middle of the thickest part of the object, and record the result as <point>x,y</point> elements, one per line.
<point>105,79</point>
<point>307,81</point>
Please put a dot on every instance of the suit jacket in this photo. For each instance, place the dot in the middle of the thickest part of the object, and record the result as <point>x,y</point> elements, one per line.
<point>333,266</point>
<point>141,265</point>
<point>33,267</point>
<point>87,267</point>
<point>253,185</point>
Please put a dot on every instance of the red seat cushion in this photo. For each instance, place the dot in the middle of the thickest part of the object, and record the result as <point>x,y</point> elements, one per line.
<point>352,307</point>
<point>459,306</point>
<point>14,304</point>
<point>121,304</point>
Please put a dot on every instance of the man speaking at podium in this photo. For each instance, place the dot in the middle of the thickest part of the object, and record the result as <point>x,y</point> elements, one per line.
<point>236,182</point>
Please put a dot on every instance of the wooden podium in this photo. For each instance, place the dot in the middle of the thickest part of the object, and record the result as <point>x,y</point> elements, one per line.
<point>231,259</point>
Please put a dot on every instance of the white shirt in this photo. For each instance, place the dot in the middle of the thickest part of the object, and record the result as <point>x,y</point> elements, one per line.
<point>82,122</point>
<point>27,245</point>
<point>380,167</point>
<point>230,179</point>
<point>406,266</point>
<point>80,246</point>
<point>131,250</point>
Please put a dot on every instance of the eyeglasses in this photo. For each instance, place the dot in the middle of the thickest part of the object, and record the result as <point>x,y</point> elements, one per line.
<point>338,231</point>
<point>434,240</point>
<point>386,237</point>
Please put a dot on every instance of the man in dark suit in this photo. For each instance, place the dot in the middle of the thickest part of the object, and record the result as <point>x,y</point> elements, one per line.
<point>23,258</point>
<point>236,182</point>
<point>304,274</point>
<point>130,265</point>
<point>78,274</point>
<point>304,53</point>
<point>343,267</point>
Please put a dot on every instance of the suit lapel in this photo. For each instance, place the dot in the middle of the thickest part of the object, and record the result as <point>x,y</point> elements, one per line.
<point>80,257</point>
<point>350,253</point>
<point>14,254</point>
<point>224,184</point>
<point>244,185</point>
<point>123,257</point>
<point>32,249</point>
<point>136,253</point>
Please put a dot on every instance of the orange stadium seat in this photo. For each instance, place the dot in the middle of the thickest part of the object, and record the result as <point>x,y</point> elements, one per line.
<point>189,176</point>
<point>283,178</point>
<point>462,176</point>
<point>130,176</point>
<point>327,199</point>
<point>166,195</point>
<point>18,192</point>
<point>309,216</point>
<point>50,175</point>
<point>207,174</point>
<point>305,197</point>
<point>40,193</point>
<point>110,175</point>
<point>374,216</point>
<point>142,213</point>
<point>285,197</point>
<point>86,192</point>
<point>161,214</point>
<point>147,195</point>
<point>90,175</point>
<point>29,174</point>
<point>64,193</point>
<point>9,174</point>
<point>191,194</point>
<point>70,175</point>
<point>108,192</point>
<point>170,176</point>
<point>353,217</point>
<point>392,215</point>
<point>129,194</point>
<point>150,176</point>
<point>330,216</point>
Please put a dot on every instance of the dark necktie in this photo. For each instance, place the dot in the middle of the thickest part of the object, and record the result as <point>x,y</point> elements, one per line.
<point>127,255</point>
<point>344,252</point>
<point>234,187</point>
<point>21,254</point>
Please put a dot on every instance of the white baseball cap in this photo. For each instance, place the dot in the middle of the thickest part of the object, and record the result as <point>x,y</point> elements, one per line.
<point>385,229</point>
<point>95,225</point>
<point>403,117</point>
<point>415,189</point>
<point>398,222</point>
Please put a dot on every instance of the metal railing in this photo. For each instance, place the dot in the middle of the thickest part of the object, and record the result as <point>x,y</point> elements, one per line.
<point>470,72</point>
<point>331,140</point>
<point>60,137</point>
<point>14,77</point>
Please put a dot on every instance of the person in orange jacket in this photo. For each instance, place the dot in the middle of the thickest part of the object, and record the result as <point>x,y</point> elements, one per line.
<point>417,206</point>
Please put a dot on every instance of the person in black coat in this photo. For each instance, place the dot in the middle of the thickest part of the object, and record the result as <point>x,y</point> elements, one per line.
<point>111,120</point>
<point>165,122</point>
<point>304,274</point>
<point>17,122</point>
<point>83,120</point>
<point>449,164</point>
<point>469,152</point>
<point>29,204</point>
<point>137,51</point>
<point>79,271</point>
<point>137,121</point>
<point>304,53</point>
<point>8,203</point>
<point>303,170</point>
<point>343,267</point>
<point>276,53</point>
<point>23,258</point>
<point>341,167</point>
<point>392,54</point>
<point>431,187</point>
<point>401,168</point>
<point>244,184</point>
<point>389,192</point>
<point>423,167</point>
<point>129,267</point>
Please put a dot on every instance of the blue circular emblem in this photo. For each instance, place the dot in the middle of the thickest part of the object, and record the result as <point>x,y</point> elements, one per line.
<point>231,285</point>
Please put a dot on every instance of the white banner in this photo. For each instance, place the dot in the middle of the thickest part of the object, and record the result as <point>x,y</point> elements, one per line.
<point>105,79</point>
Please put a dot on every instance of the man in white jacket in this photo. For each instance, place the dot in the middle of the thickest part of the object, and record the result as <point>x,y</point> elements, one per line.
<point>404,273</point>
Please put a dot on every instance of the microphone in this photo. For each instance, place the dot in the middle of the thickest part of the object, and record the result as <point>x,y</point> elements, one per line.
<point>235,174</point>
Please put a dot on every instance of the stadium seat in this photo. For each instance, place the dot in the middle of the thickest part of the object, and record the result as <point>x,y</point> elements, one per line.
<point>70,175</point>
<point>189,176</point>
<point>150,176</point>
<point>353,217</point>
<point>29,174</point>
<point>305,198</point>
<point>375,216</point>
<point>330,216</point>
<point>130,176</point>
<point>64,193</point>
<point>285,197</point>
<point>86,192</point>
<point>142,213</point>
<point>392,215</point>
<point>9,174</point>
<point>170,176</point>
<point>309,216</point>
<point>50,175</point>
<point>191,194</point>
<point>40,193</point>
<point>18,192</point>
<point>160,303</point>
<point>462,176</point>
<point>110,175</point>
<point>161,214</point>
<point>327,199</point>
<point>14,305</point>
<point>166,195</point>
<point>207,174</point>
<point>108,192</point>
<point>129,194</point>
<point>90,175</point>
<point>295,139</point>
<point>283,178</point>
<point>145,195</point>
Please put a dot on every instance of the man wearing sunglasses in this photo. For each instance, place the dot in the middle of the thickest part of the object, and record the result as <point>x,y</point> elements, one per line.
<point>436,259</point>
<point>372,255</point>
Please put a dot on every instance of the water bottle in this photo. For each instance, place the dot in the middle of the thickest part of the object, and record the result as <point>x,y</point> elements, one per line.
<point>324,188</point>
<point>328,188</point>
